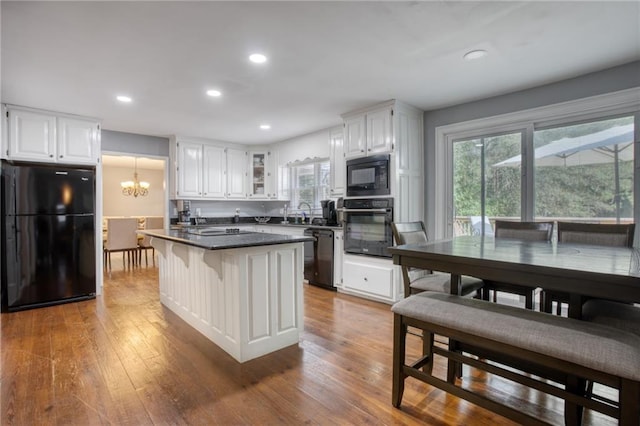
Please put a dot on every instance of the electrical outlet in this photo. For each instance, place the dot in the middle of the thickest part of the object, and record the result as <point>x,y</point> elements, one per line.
<point>281,211</point>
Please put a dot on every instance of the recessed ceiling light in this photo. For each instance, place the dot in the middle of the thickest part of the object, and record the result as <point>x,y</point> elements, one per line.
<point>265,126</point>
<point>123,98</point>
<point>258,58</point>
<point>214,93</point>
<point>475,54</point>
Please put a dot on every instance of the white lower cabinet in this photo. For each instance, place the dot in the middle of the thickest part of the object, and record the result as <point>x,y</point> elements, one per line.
<point>370,277</point>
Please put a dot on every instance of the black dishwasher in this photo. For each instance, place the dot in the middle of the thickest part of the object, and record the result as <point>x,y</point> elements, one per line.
<point>318,258</point>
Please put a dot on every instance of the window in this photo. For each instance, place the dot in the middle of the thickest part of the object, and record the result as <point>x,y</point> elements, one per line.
<point>482,187</point>
<point>310,184</point>
<point>572,162</point>
<point>585,171</point>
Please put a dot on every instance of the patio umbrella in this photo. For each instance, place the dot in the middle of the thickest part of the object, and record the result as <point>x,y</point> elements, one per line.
<point>611,145</point>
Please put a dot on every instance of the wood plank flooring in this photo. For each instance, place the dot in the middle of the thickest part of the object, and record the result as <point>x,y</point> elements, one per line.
<point>123,359</point>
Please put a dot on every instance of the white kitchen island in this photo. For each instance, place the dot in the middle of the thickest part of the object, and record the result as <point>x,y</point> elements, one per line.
<point>242,291</point>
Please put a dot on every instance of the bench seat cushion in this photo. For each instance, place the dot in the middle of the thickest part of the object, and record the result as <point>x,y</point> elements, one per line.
<point>583,343</point>
<point>614,314</point>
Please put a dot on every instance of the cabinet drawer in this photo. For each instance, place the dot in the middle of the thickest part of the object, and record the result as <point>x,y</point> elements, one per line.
<point>368,278</point>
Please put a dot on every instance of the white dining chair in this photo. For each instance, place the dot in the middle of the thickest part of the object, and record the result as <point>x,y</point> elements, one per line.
<point>121,237</point>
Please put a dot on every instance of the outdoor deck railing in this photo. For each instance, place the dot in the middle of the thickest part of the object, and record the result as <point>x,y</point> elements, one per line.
<point>462,225</point>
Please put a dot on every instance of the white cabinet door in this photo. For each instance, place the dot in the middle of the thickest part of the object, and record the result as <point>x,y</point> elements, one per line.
<point>354,137</point>
<point>258,175</point>
<point>338,249</point>
<point>271,182</point>
<point>338,166</point>
<point>189,170</point>
<point>236,173</point>
<point>32,136</point>
<point>262,175</point>
<point>78,141</point>
<point>213,171</point>
<point>370,279</point>
<point>379,131</point>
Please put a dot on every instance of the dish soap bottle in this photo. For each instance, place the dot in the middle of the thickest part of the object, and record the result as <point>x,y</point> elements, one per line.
<point>236,218</point>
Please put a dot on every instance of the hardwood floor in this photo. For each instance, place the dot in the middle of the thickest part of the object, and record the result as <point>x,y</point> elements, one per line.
<point>124,359</point>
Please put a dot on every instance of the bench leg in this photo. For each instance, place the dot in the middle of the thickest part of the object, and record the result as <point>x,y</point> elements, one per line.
<point>629,403</point>
<point>454,368</point>
<point>427,345</point>
<point>399,351</point>
<point>573,411</point>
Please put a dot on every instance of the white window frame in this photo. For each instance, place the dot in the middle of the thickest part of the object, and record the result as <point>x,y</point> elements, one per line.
<point>591,108</point>
<point>316,162</point>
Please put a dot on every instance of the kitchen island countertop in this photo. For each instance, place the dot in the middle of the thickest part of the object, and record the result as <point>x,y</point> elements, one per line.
<point>222,240</point>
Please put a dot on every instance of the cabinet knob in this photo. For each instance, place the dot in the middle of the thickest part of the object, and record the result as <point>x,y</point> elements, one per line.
<point>365,278</point>
<point>61,156</point>
<point>362,150</point>
<point>51,155</point>
<point>369,149</point>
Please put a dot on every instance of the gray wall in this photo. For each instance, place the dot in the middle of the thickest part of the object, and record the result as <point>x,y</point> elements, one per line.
<point>611,80</point>
<point>131,143</point>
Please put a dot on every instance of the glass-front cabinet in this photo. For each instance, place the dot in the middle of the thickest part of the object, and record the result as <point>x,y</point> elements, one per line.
<point>261,175</point>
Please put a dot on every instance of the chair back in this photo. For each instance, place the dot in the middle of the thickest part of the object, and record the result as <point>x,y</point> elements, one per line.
<point>151,223</point>
<point>530,231</point>
<point>601,234</point>
<point>409,232</point>
<point>122,234</point>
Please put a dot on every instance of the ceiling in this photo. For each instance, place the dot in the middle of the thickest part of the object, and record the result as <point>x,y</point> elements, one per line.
<point>324,58</point>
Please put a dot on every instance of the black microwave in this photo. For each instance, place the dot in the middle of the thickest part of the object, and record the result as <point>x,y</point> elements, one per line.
<point>368,176</point>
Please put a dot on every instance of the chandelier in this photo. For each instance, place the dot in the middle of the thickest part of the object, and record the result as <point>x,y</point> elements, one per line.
<point>135,187</point>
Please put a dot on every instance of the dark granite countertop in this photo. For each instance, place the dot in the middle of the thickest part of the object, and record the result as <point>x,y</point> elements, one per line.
<point>221,241</point>
<point>274,221</point>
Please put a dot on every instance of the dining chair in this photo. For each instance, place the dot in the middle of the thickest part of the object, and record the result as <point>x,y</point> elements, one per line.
<point>121,237</point>
<point>145,242</point>
<point>417,280</point>
<point>530,231</point>
<point>601,234</point>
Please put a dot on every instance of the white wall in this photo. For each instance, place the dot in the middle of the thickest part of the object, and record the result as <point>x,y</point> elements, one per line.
<point>312,145</point>
<point>117,204</point>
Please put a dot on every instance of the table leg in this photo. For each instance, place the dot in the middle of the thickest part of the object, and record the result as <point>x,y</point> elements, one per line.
<point>456,281</point>
<point>454,369</point>
<point>575,306</point>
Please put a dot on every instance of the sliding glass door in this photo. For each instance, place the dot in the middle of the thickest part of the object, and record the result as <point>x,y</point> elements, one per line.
<point>577,172</point>
<point>483,190</point>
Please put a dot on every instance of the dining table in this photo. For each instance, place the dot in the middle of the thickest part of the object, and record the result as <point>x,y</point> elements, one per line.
<point>579,270</point>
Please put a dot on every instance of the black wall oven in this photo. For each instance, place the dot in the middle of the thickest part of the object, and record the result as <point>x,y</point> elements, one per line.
<point>368,176</point>
<point>367,226</point>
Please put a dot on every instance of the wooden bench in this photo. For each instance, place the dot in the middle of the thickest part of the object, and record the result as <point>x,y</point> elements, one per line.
<point>572,351</point>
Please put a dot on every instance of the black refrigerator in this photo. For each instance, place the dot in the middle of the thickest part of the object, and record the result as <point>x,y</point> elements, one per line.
<point>48,235</point>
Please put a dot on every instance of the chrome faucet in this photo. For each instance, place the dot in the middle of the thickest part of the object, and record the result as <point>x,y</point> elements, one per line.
<point>308,206</point>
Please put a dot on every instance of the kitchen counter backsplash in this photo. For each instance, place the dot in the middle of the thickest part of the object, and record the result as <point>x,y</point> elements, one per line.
<point>274,220</point>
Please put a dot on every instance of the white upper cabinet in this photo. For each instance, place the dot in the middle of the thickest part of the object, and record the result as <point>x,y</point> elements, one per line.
<point>43,136</point>
<point>213,171</point>
<point>337,160</point>
<point>369,132</point>
<point>236,173</point>
<point>189,170</point>
<point>354,136</point>
<point>379,131</point>
<point>206,170</point>
<point>262,175</point>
